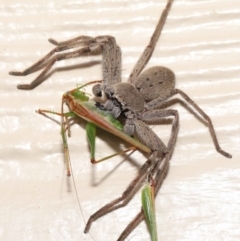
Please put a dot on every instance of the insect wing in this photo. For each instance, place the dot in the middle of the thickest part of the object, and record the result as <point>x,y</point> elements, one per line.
<point>91,136</point>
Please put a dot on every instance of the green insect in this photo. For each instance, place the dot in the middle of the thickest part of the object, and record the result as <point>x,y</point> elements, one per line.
<point>81,106</point>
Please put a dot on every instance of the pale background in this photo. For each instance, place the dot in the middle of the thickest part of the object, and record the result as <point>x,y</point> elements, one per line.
<point>200,199</point>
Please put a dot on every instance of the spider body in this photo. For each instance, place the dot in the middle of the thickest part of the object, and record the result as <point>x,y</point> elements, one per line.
<point>131,100</point>
<point>140,101</point>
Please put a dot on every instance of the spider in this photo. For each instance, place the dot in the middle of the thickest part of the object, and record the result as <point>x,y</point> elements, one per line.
<point>140,102</point>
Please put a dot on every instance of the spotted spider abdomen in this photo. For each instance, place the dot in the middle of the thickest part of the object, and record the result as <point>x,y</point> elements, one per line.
<point>155,82</point>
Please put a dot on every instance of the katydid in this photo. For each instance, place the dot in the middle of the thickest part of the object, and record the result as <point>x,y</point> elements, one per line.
<point>81,106</point>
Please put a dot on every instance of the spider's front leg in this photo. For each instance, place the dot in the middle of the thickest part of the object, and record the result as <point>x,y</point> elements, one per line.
<point>73,48</point>
<point>111,68</point>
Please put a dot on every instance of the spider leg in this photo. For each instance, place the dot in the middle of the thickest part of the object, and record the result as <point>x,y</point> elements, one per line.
<point>111,68</point>
<point>79,46</point>
<point>161,172</point>
<point>157,103</point>
<point>126,195</point>
<point>134,185</point>
<point>158,180</point>
<point>111,55</point>
<point>111,63</point>
<point>62,46</point>
<point>142,61</point>
<point>154,116</point>
<point>80,39</point>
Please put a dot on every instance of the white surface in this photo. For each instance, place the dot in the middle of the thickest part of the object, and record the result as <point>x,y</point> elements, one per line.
<point>200,199</point>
